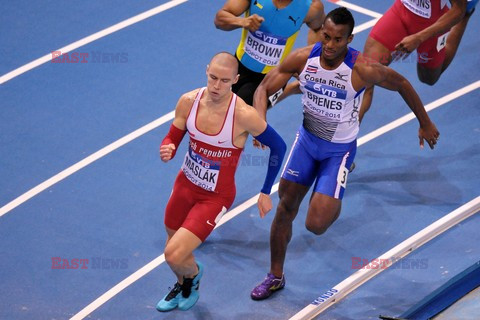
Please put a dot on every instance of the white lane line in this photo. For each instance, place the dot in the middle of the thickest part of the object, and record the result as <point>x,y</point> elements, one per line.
<point>156,262</point>
<point>142,16</point>
<point>435,104</point>
<point>97,155</point>
<point>401,250</point>
<point>354,7</point>
<point>91,38</point>
<point>250,202</point>
<point>169,116</point>
<point>119,287</point>
<point>85,162</point>
<point>364,26</point>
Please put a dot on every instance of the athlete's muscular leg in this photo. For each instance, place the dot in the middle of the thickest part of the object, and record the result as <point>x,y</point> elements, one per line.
<point>322,212</point>
<point>428,76</point>
<point>291,195</point>
<point>431,75</point>
<point>375,51</point>
<point>179,253</point>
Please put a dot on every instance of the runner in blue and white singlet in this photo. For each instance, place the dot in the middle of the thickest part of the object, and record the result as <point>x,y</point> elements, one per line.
<point>327,137</point>
<point>332,78</point>
<point>330,103</point>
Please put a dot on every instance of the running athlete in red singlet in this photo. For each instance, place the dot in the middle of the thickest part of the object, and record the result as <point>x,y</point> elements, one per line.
<point>427,26</point>
<point>407,18</point>
<point>207,173</point>
<point>218,123</point>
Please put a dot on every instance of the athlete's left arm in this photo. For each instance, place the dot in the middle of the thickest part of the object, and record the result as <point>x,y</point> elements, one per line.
<point>249,120</point>
<point>314,20</point>
<point>441,26</point>
<point>370,74</point>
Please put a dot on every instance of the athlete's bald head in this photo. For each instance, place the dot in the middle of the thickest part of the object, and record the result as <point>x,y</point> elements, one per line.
<point>227,60</point>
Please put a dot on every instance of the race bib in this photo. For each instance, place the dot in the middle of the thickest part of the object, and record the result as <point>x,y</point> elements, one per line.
<point>264,47</point>
<point>422,8</point>
<point>274,97</point>
<point>442,41</point>
<point>324,101</point>
<point>201,171</point>
<point>342,176</point>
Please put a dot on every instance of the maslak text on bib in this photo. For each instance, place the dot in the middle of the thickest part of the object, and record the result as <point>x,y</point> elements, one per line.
<point>201,171</point>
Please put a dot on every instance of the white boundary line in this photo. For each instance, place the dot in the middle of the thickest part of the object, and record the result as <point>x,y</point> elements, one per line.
<point>85,162</point>
<point>351,283</point>
<point>429,107</point>
<point>65,173</point>
<point>117,144</point>
<point>354,7</point>
<point>119,287</point>
<point>252,201</point>
<point>365,26</point>
<point>156,262</point>
<point>100,34</point>
<point>169,116</point>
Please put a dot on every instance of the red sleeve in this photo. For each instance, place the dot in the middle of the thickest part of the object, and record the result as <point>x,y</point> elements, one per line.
<point>174,136</point>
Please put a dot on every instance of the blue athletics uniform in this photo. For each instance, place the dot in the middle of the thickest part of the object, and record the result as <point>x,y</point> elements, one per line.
<point>326,143</point>
<point>264,49</point>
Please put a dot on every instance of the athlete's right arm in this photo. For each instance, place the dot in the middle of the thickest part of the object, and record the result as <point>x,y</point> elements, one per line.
<point>442,25</point>
<point>453,16</point>
<point>278,77</point>
<point>367,75</point>
<point>178,128</point>
<point>228,17</point>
